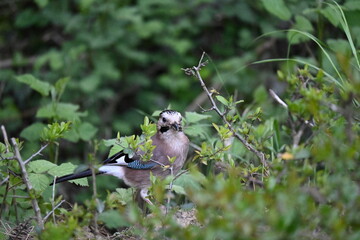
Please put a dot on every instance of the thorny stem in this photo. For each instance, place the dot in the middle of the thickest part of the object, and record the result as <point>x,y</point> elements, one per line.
<point>28,185</point>
<point>195,71</point>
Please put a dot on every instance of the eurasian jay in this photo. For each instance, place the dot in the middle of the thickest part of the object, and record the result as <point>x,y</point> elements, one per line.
<point>170,142</point>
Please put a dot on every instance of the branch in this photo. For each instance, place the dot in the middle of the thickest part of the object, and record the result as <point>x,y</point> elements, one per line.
<point>278,99</point>
<point>52,211</point>
<point>28,185</point>
<point>195,71</point>
<point>35,154</point>
<point>7,144</point>
<point>295,134</point>
<point>4,181</point>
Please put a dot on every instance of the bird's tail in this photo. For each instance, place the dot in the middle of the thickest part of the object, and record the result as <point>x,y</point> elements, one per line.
<point>85,173</point>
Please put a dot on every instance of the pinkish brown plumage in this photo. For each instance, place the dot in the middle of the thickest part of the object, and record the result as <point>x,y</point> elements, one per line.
<point>170,141</point>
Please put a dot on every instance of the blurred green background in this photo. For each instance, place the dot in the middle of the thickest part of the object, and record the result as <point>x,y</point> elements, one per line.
<point>105,64</point>
<point>124,56</point>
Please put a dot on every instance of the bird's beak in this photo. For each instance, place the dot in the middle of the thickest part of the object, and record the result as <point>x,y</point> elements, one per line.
<point>176,126</point>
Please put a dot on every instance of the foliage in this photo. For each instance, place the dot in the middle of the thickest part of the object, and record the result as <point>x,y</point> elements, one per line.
<point>72,72</point>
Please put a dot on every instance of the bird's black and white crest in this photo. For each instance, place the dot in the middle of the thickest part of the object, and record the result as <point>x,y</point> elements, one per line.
<point>169,119</point>
<point>171,115</point>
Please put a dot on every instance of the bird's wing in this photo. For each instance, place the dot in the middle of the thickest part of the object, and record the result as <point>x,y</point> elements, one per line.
<point>116,160</point>
<point>123,159</point>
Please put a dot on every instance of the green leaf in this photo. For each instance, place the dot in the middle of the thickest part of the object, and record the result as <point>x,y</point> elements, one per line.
<point>54,131</point>
<point>41,3</point>
<point>72,135</point>
<point>222,100</point>
<point>33,132</point>
<point>115,149</point>
<point>113,219</point>
<point>109,142</point>
<point>193,117</point>
<point>302,24</point>
<point>39,181</point>
<point>197,130</point>
<point>303,153</point>
<point>60,86</point>
<point>42,87</point>
<point>65,111</point>
<point>332,15</point>
<point>125,195</point>
<point>63,169</point>
<point>260,94</point>
<point>41,166</point>
<point>87,131</point>
<point>179,189</point>
<point>277,8</point>
<point>352,5</point>
<point>190,181</point>
<point>81,182</point>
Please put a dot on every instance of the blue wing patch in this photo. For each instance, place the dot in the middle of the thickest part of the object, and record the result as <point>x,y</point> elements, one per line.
<point>140,165</point>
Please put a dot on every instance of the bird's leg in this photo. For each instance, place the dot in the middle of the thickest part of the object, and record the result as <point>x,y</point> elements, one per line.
<point>144,195</point>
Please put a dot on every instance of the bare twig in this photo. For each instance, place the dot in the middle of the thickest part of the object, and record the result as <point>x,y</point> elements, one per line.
<point>53,198</point>
<point>28,185</point>
<point>4,181</point>
<point>296,134</point>
<point>195,71</point>
<point>4,205</point>
<point>18,196</point>
<point>7,158</point>
<point>7,144</point>
<point>177,176</point>
<point>278,99</point>
<point>169,191</point>
<point>52,210</point>
<point>95,196</point>
<point>35,154</point>
<point>14,203</point>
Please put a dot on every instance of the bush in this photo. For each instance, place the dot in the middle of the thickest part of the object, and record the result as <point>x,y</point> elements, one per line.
<point>276,159</point>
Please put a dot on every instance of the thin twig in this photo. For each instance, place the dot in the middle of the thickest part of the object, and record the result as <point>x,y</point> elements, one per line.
<point>14,203</point>
<point>157,162</point>
<point>95,196</point>
<point>195,71</point>
<point>6,140</point>
<point>28,185</point>
<point>4,205</point>
<point>35,154</point>
<point>278,99</point>
<point>4,181</point>
<point>18,196</point>
<point>178,175</point>
<point>297,135</point>
<point>52,210</point>
<point>171,187</point>
<point>7,158</point>
<point>53,198</point>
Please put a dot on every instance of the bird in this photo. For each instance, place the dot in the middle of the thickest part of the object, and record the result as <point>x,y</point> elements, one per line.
<point>170,143</point>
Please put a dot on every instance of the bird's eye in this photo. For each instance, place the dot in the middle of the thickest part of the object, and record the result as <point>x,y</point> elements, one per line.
<point>164,119</point>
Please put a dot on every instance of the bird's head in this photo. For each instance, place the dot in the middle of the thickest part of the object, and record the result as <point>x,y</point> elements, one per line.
<point>169,120</point>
